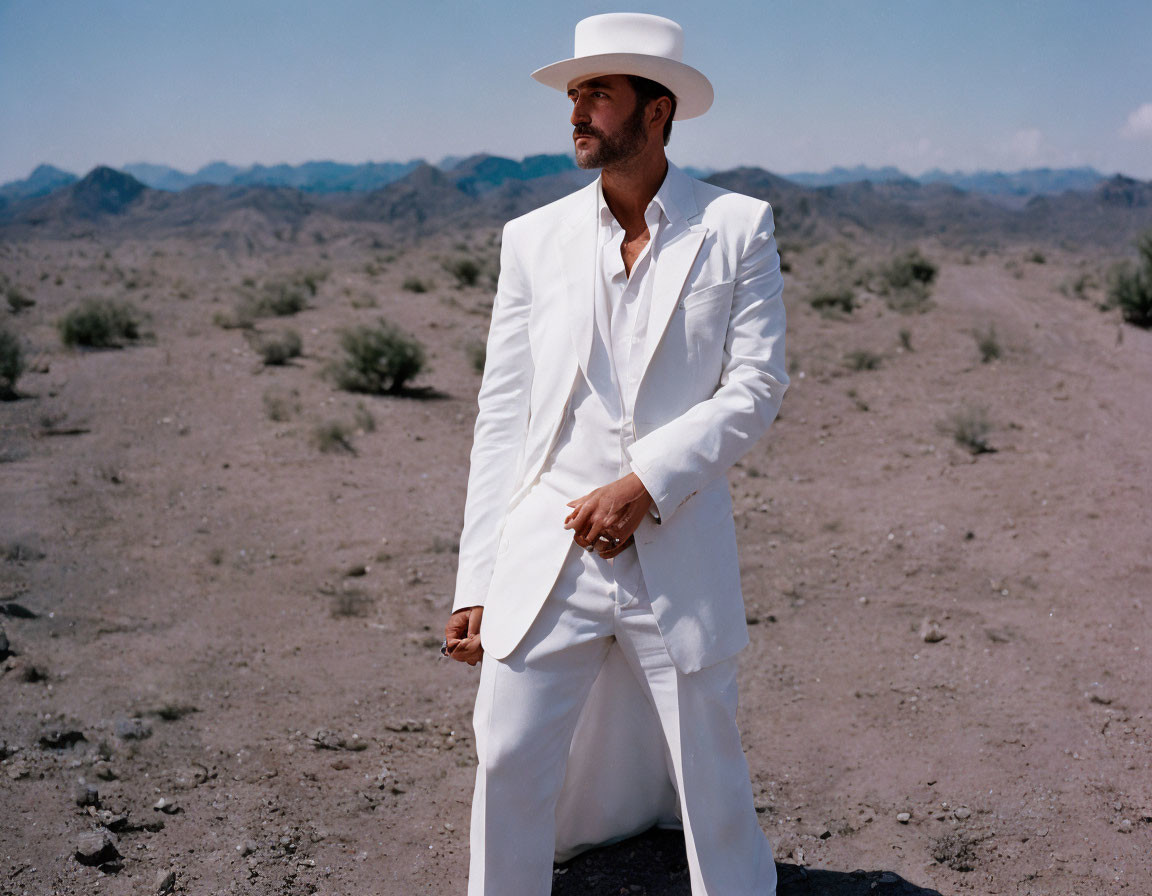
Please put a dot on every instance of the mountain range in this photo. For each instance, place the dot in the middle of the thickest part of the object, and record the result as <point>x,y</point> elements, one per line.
<point>486,190</point>
<point>487,171</point>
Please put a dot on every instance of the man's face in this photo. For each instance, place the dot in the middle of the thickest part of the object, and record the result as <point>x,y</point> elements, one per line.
<point>608,124</point>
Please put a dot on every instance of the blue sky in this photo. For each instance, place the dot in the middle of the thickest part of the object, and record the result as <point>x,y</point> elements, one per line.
<point>800,85</point>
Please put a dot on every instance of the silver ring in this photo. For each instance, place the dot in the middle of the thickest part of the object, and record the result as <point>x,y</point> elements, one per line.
<point>444,647</point>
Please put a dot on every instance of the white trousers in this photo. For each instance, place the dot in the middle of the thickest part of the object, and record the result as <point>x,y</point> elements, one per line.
<point>587,733</point>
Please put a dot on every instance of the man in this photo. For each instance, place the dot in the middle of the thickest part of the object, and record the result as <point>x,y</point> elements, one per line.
<point>636,351</point>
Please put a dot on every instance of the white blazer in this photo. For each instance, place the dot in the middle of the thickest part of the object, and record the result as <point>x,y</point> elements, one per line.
<point>713,378</point>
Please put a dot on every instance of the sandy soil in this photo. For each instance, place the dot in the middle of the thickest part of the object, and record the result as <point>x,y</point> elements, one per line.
<point>244,627</point>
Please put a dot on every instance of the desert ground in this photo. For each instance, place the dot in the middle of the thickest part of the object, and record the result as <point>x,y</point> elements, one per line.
<point>223,611</point>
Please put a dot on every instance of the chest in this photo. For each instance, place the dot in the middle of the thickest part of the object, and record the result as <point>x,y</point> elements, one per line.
<point>632,249</point>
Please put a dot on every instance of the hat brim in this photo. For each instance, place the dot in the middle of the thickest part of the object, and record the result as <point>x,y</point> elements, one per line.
<point>692,90</point>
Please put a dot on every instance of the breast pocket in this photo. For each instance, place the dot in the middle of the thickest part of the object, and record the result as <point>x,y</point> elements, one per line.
<point>715,294</point>
<point>704,318</point>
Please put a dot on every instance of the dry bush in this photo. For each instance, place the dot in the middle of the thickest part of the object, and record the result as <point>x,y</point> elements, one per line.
<point>970,427</point>
<point>100,323</point>
<point>478,355</point>
<point>863,359</point>
<point>466,271</point>
<point>377,359</point>
<point>281,405</point>
<point>332,437</point>
<point>906,282</point>
<point>987,343</point>
<point>277,349</point>
<point>1130,289</point>
<point>11,363</point>
<point>833,300</point>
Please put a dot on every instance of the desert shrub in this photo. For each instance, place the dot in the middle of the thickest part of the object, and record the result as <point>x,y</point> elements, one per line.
<point>987,343</point>
<point>970,427</point>
<point>1077,287</point>
<point>281,405</point>
<point>862,359</point>
<point>332,437</point>
<point>1037,257</point>
<point>11,363</point>
<point>906,281</point>
<point>835,299</point>
<point>377,359</point>
<point>1130,289</point>
<point>478,355</point>
<point>281,298</point>
<point>465,270</point>
<point>311,279</point>
<point>276,349</point>
<point>18,300</point>
<point>365,422</point>
<point>240,318</point>
<point>100,323</point>
<point>414,284</point>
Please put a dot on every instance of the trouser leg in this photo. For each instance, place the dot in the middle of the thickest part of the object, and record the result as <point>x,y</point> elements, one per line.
<point>526,712</point>
<point>728,854</point>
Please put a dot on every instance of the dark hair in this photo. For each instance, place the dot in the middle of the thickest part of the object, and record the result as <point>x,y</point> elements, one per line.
<point>648,90</point>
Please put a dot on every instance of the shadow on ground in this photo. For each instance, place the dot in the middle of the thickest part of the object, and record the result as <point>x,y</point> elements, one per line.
<point>654,864</point>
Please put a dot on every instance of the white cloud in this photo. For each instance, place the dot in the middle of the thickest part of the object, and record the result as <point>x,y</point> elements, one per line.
<point>1139,123</point>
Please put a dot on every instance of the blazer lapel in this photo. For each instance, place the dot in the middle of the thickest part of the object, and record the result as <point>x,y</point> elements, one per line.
<point>577,248</point>
<point>672,266</point>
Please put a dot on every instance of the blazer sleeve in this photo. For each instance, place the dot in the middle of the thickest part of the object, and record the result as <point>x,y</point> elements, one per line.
<point>501,428</point>
<point>678,458</point>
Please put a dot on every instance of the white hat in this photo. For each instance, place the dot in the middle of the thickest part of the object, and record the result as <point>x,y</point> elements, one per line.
<point>633,43</point>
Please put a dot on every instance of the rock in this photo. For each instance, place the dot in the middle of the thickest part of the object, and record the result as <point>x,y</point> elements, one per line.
<point>104,771</point>
<point>96,848</point>
<point>1125,826</point>
<point>246,848</point>
<point>165,881</point>
<point>406,725</point>
<point>167,806</point>
<point>931,632</point>
<point>133,729</point>
<point>60,738</point>
<point>962,813</point>
<point>903,817</point>
<point>86,795</point>
<point>17,769</point>
<point>354,572</point>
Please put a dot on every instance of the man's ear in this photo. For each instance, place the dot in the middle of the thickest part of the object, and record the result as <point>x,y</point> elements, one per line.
<point>661,109</point>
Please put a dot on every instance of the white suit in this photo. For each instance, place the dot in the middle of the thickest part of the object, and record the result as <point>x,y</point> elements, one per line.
<point>712,377</point>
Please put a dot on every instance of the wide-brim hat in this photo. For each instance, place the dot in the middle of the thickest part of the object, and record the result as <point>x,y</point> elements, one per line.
<point>633,43</point>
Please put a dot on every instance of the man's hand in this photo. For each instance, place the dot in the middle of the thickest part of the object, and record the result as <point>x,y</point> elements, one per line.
<point>463,635</point>
<point>613,511</point>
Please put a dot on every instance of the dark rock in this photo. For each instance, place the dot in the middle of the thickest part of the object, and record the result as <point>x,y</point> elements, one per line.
<point>61,738</point>
<point>97,848</point>
<point>86,795</point>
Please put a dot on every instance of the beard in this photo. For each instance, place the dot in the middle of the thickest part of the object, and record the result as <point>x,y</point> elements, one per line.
<point>611,149</point>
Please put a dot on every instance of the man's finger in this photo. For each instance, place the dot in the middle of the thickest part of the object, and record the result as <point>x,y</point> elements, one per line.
<point>474,619</point>
<point>579,523</point>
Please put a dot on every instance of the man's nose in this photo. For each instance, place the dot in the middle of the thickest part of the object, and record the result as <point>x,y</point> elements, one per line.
<point>580,112</point>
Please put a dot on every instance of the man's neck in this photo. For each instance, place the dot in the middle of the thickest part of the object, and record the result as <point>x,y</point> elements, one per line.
<point>628,188</point>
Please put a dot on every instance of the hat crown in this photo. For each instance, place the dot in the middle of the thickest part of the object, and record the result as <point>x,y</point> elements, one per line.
<point>629,32</point>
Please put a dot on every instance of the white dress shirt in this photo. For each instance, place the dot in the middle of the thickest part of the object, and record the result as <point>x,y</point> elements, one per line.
<point>591,448</point>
